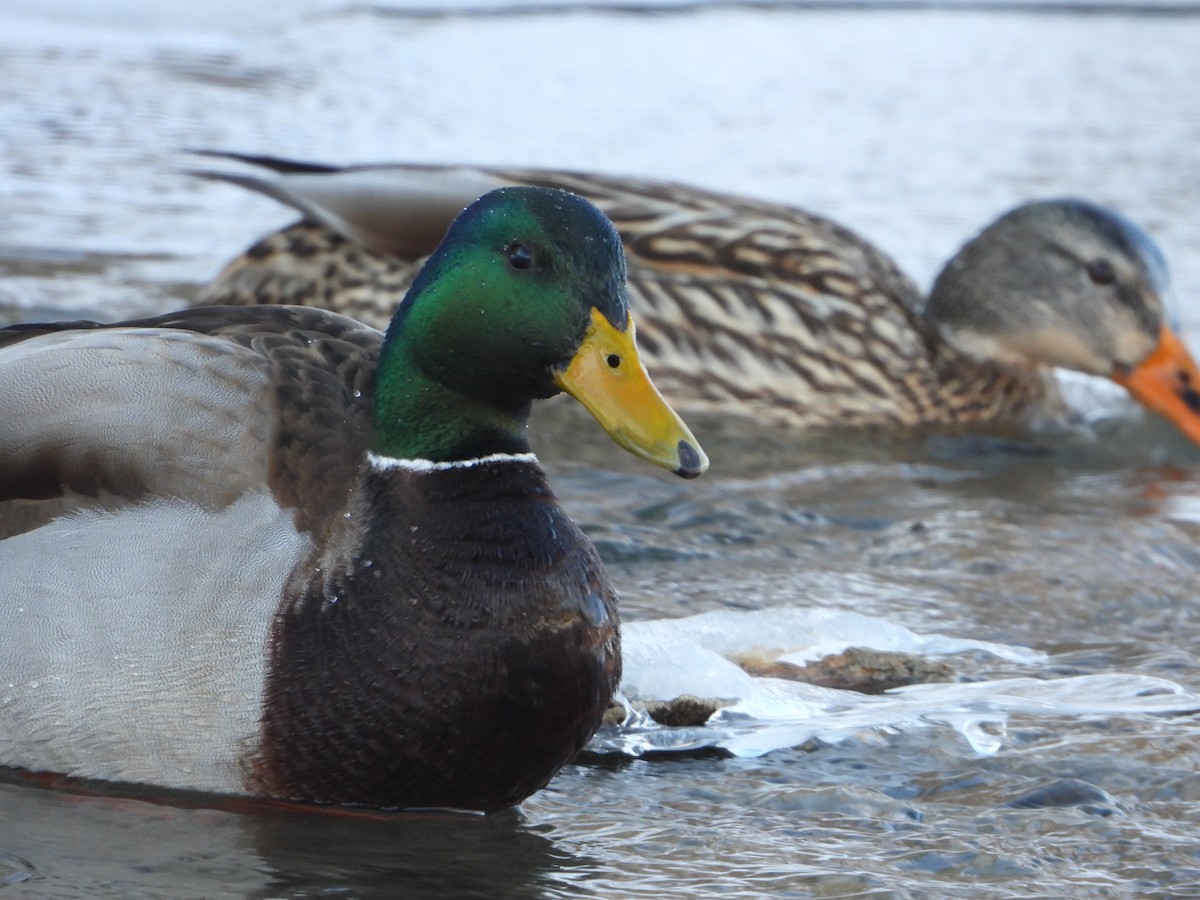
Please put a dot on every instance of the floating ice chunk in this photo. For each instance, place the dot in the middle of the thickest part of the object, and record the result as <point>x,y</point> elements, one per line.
<point>1105,694</point>
<point>667,658</point>
<point>1093,398</point>
<point>1182,505</point>
<point>978,712</point>
<point>658,667</point>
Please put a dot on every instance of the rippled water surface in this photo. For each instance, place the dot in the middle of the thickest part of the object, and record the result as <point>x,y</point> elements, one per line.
<point>912,126</point>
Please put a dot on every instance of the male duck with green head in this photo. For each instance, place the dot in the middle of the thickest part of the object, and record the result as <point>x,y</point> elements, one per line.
<point>268,551</point>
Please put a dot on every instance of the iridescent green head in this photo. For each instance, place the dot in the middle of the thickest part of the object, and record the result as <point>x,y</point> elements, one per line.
<point>524,297</point>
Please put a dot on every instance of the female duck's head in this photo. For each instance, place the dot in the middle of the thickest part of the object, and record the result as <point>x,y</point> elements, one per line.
<point>524,297</point>
<point>1068,283</point>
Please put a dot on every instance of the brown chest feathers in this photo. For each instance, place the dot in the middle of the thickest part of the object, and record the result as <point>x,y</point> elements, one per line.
<point>458,663</point>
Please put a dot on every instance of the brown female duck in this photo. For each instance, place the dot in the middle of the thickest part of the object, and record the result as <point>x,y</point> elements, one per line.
<point>765,310</point>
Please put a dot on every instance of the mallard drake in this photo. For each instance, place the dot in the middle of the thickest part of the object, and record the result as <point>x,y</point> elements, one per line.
<point>758,309</point>
<point>270,551</point>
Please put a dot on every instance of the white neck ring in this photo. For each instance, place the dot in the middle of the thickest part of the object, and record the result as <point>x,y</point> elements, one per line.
<point>388,463</point>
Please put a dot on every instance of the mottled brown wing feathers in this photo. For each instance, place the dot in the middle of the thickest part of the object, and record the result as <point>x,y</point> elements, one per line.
<point>308,264</point>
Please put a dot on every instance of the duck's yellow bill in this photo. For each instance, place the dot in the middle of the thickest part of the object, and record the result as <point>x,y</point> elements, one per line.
<point>607,377</point>
<point>1168,382</point>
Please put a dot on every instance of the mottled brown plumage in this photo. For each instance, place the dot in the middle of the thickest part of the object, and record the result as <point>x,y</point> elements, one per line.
<point>743,307</point>
<point>753,308</point>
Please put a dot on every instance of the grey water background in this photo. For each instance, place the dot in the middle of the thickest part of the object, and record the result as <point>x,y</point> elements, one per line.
<point>911,123</point>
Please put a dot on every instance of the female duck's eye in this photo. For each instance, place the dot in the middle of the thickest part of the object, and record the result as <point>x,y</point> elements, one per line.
<point>1101,271</point>
<point>613,360</point>
<point>519,256</point>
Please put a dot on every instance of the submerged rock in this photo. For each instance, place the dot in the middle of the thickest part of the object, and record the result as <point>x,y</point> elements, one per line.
<point>682,712</point>
<point>1068,792</point>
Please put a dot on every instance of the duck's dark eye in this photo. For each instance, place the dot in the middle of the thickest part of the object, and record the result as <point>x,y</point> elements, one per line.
<point>613,360</point>
<point>519,256</point>
<point>1101,271</point>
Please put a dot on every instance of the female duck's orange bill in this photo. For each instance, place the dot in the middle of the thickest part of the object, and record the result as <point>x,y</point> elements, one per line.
<point>608,378</point>
<point>1168,382</point>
